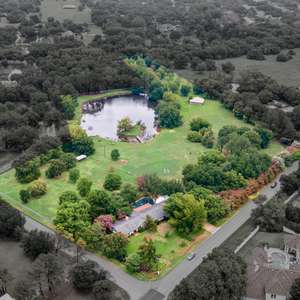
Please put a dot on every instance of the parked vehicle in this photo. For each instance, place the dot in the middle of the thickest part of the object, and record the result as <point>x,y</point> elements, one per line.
<point>191,256</point>
<point>274,184</point>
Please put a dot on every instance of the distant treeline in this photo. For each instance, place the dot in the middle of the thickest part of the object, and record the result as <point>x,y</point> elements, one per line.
<point>187,33</point>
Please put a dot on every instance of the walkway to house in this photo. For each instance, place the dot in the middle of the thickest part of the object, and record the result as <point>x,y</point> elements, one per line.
<point>210,228</point>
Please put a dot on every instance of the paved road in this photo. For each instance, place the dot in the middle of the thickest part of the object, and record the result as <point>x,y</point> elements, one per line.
<point>137,289</point>
<point>269,192</point>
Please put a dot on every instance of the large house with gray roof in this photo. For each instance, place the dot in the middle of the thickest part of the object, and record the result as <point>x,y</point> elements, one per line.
<point>131,224</point>
<point>273,271</point>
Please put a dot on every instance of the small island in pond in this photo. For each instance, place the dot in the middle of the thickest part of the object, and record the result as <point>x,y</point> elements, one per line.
<point>129,131</point>
<point>124,118</point>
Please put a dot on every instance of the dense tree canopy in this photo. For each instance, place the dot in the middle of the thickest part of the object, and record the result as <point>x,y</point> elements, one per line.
<point>217,36</point>
<point>290,183</point>
<point>215,206</point>
<point>174,38</point>
<point>168,114</point>
<point>47,273</point>
<point>11,221</point>
<point>257,99</point>
<point>269,217</point>
<point>148,258</point>
<point>72,217</point>
<point>210,172</point>
<point>295,290</point>
<point>115,246</point>
<point>84,275</point>
<point>222,275</point>
<point>250,163</point>
<point>112,182</point>
<point>27,172</point>
<point>185,213</point>
<point>154,185</point>
<point>37,242</point>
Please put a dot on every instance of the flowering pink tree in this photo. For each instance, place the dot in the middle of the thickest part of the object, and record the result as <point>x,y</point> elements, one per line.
<point>106,222</point>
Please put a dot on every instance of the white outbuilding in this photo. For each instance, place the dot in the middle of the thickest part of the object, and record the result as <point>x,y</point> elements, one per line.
<point>197,100</point>
<point>81,157</point>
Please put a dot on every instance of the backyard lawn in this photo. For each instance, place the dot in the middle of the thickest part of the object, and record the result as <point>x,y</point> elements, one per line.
<point>171,248</point>
<point>165,155</point>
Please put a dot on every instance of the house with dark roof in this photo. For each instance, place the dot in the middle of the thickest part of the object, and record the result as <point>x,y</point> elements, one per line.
<point>272,271</point>
<point>131,224</point>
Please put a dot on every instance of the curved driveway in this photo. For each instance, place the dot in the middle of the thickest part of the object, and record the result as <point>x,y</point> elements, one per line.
<point>140,289</point>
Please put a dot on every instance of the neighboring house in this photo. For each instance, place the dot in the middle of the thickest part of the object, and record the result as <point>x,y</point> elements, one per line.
<point>273,271</point>
<point>197,100</point>
<point>142,208</point>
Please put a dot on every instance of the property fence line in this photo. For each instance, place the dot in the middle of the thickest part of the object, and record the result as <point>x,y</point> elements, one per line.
<point>245,241</point>
<point>289,231</point>
<point>23,208</point>
<point>291,197</point>
<point>5,169</point>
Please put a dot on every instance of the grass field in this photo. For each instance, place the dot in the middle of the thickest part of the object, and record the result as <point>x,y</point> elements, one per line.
<point>171,248</point>
<point>165,155</point>
<point>285,73</point>
<point>54,9</point>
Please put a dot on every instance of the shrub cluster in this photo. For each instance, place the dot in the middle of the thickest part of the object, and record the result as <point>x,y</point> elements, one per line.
<point>57,166</point>
<point>201,132</point>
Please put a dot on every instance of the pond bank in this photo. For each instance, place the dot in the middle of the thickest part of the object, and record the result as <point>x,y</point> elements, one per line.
<point>83,99</point>
<point>101,117</point>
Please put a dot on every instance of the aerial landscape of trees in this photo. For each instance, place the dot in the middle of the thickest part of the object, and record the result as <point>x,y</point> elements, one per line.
<point>169,53</point>
<point>170,41</point>
<point>175,37</point>
<point>86,212</point>
<point>80,72</point>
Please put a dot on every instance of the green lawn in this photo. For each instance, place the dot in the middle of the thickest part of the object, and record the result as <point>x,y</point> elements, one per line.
<point>284,73</point>
<point>135,131</point>
<point>172,248</point>
<point>165,155</point>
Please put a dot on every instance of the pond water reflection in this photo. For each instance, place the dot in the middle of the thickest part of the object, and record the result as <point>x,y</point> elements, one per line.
<point>104,123</point>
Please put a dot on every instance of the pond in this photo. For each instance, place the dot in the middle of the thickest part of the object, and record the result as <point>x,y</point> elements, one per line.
<point>104,122</point>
